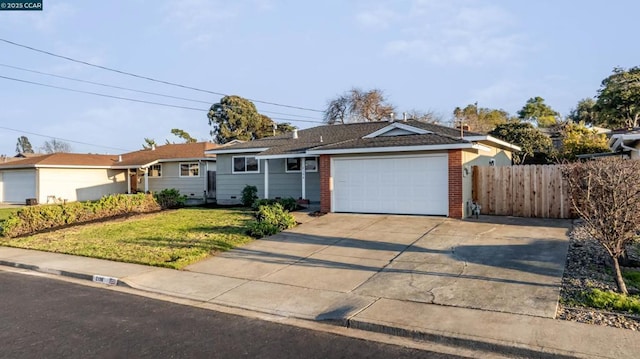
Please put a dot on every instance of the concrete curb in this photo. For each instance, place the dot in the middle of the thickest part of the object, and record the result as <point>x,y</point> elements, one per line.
<point>75,275</point>
<point>516,350</point>
<point>450,340</point>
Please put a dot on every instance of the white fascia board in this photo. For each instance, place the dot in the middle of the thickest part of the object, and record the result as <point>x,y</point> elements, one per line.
<point>452,146</point>
<point>236,150</point>
<point>74,167</point>
<point>382,131</point>
<point>292,155</point>
<point>481,147</point>
<point>494,140</point>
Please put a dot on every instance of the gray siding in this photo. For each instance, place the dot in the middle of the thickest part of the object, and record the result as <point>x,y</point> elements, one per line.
<point>192,187</point>
<point>281,184</point>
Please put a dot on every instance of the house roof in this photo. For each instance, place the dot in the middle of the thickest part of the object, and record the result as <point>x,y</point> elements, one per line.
<point>624,141</point>
<point>166,153</point>
<point>183,151</point>
<point>63,159</point>
<point>358,136</point>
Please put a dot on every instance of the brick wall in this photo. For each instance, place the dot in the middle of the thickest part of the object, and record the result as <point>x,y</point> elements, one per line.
<point>325,183</point>
<point>455,184</point>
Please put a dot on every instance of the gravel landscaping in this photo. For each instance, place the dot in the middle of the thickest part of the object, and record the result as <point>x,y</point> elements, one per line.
<point>587,267</point>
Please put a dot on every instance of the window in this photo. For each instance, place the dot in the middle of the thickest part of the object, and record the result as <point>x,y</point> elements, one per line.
<point>155,171</point>
<point>310,164</point>
<point>190,169</point>
<point>248,164</point>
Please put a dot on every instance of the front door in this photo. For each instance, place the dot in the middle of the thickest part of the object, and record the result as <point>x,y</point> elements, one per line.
<point>134,182</point>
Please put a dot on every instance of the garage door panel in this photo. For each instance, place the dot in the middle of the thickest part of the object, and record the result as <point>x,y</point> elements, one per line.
<point>17,186</point>
<point>402,185</point>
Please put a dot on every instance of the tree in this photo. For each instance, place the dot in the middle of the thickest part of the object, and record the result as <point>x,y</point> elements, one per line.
<point>183,135</point>
<point>585,112</point>
<point>479,119</point>
<point>606,195</point>
<point>536,111</point>
<point>236,118</point>
<point>55,146</point>
<point>148,143</point>
<point>619,99</point>
<point>423,116</point>
<point>523,134</point>
<point>578,139</point>
<point>23,145</point>
<point>357,105</point>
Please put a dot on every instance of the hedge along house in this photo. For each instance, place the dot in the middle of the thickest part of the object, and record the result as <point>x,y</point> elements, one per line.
<point>405,167</point>
<point>81,177</point>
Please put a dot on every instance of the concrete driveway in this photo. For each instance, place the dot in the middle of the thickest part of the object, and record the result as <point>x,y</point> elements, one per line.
<point>500,264</point>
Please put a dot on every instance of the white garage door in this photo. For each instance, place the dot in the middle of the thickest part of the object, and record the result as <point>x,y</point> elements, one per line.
<point>17,186</point>
<point>401,185</point>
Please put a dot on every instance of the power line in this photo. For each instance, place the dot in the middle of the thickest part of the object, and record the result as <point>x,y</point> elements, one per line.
<point>150,78</point>
<point>133,99</point>
<point>62,139</point>
<point>133,90</point>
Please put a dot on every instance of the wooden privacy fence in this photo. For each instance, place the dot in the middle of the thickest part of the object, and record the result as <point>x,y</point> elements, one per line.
<point>522,191</point>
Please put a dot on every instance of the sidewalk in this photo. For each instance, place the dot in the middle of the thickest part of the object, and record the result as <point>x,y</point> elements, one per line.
<point>510,334</point>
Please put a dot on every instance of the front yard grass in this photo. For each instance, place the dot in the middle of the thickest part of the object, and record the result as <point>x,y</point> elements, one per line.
<point>172,239</point>
<point>6,212</point>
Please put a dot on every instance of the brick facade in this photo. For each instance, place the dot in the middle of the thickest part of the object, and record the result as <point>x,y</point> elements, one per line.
<point>456,202</point>
<point>325,183</point>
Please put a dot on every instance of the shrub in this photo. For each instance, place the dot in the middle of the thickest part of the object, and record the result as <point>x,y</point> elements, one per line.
<point>37,218</point>
<point>249,195</point>
<point>262,229</point>
<point>271,219</point>
<point>275,215</point>
<point>170,198</point>
<point>289,203</point>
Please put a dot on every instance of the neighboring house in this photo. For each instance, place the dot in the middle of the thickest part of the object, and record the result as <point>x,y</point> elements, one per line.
<point>406,167</point>
<point>80,177</point>
<point>182,166</point>
<point>626,142</point>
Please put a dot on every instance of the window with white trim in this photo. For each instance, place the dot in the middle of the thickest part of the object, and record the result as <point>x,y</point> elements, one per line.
<point>294,164</point>
<point>155,171</point>
<point>191,169</point>
<point>245,164</point>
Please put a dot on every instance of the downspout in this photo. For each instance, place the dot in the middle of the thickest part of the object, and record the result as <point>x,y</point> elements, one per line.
<point>266,179</point>
<point>303,171</point>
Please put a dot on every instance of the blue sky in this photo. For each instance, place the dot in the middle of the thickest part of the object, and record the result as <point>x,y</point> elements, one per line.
<point>424,54</point>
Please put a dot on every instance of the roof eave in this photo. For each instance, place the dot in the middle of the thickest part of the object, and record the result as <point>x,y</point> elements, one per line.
<point>494,140</point>
<point>236,150</point>
<point>391,149</point>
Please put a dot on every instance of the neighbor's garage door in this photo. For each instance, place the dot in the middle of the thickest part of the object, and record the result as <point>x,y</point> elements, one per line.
<point>17,186</point>
<point>402,185</point>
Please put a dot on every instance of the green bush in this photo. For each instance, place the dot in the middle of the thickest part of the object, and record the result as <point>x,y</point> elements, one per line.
<point>249,195</point>
<point>289,203</point>
<point>37,218</point>
<point>170,198</point>
<point>276,215</point>
<point>262,229</point>
<point>271,219</point>
<point>597,298</point>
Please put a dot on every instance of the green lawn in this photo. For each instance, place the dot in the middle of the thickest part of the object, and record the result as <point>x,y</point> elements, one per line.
<point>172,239</point>
<point>5,212</point>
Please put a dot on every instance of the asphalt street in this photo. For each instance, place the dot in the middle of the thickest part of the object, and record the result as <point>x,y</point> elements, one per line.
<point>48,318</point>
